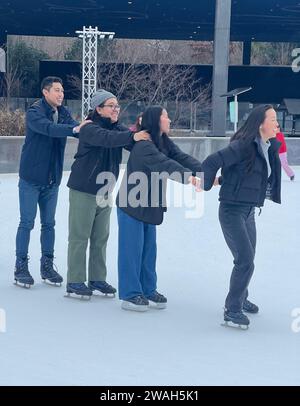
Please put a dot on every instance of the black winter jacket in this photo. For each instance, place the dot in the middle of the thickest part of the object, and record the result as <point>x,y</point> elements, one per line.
<point>237,185</point>
<point>99,150</point>
<point>156,166</point>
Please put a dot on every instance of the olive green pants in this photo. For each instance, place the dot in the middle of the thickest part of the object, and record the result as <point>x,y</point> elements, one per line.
<point>89,221</point>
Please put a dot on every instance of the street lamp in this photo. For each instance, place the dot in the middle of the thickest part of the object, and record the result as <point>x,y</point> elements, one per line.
<point>234,93</point>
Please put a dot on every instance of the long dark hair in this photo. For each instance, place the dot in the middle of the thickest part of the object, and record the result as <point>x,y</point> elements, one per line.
<point>151,124</point>
<point>250,130</point>
<point>137,123</point>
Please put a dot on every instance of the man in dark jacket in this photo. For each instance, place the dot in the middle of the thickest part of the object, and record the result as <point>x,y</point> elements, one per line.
<point>48,124</point>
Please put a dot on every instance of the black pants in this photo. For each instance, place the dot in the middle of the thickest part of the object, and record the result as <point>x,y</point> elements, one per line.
<point>238,226</point>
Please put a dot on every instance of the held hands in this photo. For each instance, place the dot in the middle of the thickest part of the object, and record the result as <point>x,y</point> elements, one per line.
<point>195,181</point>
<point>216,182</point>
<point>141,136</point>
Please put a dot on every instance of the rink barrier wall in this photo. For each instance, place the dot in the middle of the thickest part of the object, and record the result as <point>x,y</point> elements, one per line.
<point>199,147</point>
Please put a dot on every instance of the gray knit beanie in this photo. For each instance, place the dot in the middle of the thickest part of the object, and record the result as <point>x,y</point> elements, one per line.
<point>99,97</point>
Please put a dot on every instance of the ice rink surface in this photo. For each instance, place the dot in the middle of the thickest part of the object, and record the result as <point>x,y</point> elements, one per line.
<point>46,339</point>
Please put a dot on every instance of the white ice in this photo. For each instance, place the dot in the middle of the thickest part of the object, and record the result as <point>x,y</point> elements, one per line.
<point>51,340</point>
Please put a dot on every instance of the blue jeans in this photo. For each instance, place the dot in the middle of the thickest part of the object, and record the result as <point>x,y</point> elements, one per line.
<point>30,197</point>
<point>136,257</point>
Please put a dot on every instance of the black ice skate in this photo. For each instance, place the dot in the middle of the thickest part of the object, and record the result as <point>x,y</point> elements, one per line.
<point>250,307</point>
<point>79,289</point>
<point>48,272</point>
<point>22,275</point>
<point>236,319</point>
<point>103,287</point>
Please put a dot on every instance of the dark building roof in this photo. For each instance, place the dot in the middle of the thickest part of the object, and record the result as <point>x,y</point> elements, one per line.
<point>261,20</point>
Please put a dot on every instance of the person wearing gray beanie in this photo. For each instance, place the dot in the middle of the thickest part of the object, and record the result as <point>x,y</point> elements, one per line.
<point>99,97</point>
<point>99,151</point>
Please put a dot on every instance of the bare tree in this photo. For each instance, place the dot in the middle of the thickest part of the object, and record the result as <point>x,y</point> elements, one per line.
<point>11,82</point>
<point>160,81</point>
<point>272,53</point>
<point>75,85</point>
<point>12,123</point>
<point>202,52</point>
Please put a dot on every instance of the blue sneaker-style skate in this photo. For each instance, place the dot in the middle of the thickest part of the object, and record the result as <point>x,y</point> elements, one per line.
<point>137,303</point>
<point>157,300</point>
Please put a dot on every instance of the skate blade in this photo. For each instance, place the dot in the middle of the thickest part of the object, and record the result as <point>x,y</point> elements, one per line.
<point>72,295</point>
<point>233,325</point>
<point>135,308</point>
<point>22,285</point>
<point>47,282</point>
<point>157,306</point>
<point>105,295</point>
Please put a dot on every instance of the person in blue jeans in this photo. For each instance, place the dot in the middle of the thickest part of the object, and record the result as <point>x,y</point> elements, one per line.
<point>48,124</point>
<point>149,166</point>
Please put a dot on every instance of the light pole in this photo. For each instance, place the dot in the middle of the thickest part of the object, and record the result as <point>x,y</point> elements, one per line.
<point>90,36</point>
<point>2,60</point>
<point>234,93</point>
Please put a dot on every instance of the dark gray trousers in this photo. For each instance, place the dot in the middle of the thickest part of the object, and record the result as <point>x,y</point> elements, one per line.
<point>239,230</point>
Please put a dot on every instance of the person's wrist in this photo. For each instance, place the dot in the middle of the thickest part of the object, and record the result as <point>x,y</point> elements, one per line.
<point>75,130</point>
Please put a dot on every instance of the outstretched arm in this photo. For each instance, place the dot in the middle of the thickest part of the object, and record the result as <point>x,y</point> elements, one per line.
<point>158,162</point>
<point>184,159</point>
<point>39,123</point>
<point>226,157</point>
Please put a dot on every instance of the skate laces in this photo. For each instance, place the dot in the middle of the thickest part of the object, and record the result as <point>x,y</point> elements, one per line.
<point>249,305</point>
<point>22,265</point>
<point>78,286</point>
<point>157,297</point>
<point>239,314</point>
<point>103,284</point>
<point>139,300</point>
<point>50,266</point>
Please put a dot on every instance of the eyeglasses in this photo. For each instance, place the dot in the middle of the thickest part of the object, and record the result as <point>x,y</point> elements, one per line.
<point>112,106</point>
